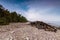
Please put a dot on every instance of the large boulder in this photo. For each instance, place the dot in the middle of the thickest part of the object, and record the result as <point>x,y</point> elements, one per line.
<point>42,25</point>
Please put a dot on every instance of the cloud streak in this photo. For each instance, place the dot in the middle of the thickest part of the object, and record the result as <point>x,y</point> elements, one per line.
<point>42,12</point>
<point>42,15</point>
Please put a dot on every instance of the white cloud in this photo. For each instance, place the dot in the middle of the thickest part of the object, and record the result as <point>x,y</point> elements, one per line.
<point>40,11</point>
<point>41,14</point>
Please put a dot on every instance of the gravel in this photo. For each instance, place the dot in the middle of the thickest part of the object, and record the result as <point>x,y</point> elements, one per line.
<point>22,31</point>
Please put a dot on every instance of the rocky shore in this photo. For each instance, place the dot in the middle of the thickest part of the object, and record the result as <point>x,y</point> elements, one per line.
<point>23,31</point>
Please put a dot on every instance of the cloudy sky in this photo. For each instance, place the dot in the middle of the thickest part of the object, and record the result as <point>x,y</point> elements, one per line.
<point>43,10</point>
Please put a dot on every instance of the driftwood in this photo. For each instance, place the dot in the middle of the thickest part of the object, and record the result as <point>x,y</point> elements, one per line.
<point>42,25</point>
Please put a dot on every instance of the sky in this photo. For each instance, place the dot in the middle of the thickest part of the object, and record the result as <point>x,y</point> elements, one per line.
<point>35,10</point>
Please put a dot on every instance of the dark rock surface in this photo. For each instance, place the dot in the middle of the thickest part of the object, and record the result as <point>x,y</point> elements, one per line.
<point>42,25</point>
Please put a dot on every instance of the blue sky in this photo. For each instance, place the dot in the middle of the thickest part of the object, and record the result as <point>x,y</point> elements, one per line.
<point>43,10</point>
